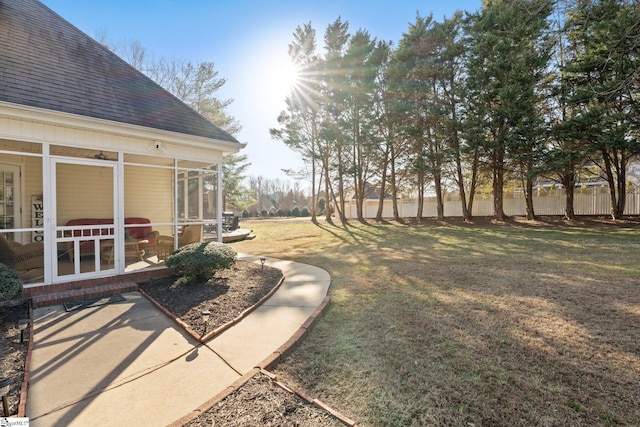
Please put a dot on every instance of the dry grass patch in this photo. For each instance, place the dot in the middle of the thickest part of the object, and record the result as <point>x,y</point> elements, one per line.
<point>485,324</point>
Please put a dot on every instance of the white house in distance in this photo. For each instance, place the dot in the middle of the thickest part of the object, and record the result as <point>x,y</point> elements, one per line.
<point>102,172</point>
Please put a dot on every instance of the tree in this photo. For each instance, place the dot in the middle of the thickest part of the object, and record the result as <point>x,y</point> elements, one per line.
<point>299,122</point>
<point>604,78</point>
<point>387,110</point>
<point>237,196</point>
<point>451,82</point>
<point>506,62</point>
<point>362,61</point>
<point>332,147</point>
<point>414,53</point>
<point>567,149</point>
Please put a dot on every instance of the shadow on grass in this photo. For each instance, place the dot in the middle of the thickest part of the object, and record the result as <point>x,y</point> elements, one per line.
<point>484,324</point>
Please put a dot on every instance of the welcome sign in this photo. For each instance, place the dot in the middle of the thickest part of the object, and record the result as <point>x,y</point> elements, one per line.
<point>37,218</point>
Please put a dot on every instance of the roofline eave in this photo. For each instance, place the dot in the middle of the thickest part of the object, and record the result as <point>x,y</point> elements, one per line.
<point>25,112</point>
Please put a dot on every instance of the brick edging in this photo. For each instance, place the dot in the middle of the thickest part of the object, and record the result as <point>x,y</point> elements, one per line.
<point>287,348</point>
<point>304,396</point>
<point>269,363</point>
<point>215,399</point>
<point>170,315</point>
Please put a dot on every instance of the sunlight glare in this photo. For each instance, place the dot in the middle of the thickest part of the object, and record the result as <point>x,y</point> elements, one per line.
<point>282,78</point>
<point>288,76</point>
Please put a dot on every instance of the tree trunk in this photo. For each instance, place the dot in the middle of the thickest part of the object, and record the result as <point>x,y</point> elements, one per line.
<point>341,209</point>
<point>612,185</point>
<point>498,184</point>
<point>528,194</point>
<point>314,197</point>
<point>439,198</point>
<point>569,183</point>
<point>622,186</point>
<point>383,184</point>
<point>327,188</point>
<point>474,181</point>
<point>394,188</point>
<point>463,195</point>
<point>420,195</point>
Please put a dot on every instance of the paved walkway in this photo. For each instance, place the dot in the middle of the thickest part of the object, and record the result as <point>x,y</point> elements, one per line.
<point>127,364</point>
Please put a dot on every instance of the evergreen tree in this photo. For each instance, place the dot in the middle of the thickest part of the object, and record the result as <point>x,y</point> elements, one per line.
<point>605,82</point>
<point>506,61</point>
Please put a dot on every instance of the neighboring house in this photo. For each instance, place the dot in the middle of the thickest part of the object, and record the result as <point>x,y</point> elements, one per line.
<point>86,139</point>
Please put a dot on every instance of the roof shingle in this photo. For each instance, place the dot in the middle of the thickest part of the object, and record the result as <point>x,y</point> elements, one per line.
<point>48,63</point>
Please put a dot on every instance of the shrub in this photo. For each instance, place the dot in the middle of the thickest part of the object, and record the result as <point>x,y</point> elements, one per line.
<point>295,211</point>
<point>264,213</point>
<point>198,262</point>
<point>245,214</point>
<point>281,212</point>
<point>10,284</point>
<point>305,212</point>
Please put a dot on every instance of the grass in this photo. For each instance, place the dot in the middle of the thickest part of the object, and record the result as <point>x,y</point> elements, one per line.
<point>476,325</point>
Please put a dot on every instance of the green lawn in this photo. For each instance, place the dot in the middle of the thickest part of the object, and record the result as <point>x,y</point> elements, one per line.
<point>469,325</point>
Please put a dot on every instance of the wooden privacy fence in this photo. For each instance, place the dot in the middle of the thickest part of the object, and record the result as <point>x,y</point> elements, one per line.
<point>584,204</point>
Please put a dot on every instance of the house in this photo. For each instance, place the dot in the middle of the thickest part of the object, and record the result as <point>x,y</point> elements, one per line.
<point>96,160</point>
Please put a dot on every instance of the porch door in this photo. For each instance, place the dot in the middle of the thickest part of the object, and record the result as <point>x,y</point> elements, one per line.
<point>85,208</point>
<point>10,196</point>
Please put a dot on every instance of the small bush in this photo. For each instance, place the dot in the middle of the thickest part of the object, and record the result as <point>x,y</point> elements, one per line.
<point>245,214</point>
<point>305,212</point>
<point>264,213</point>
<point>10,284</point>
<point>295,211</point>
<point>198,262</point>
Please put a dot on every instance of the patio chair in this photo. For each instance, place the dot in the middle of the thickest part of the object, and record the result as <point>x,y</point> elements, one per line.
<point>21,257</point>
<point>191,233</point>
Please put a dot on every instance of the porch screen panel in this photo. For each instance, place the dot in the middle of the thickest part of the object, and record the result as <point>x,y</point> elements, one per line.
<point>148,193</point>
<point>21,207</point>
<point>84,192</point>
<point>197,195</point>
<point>193,198</point>
<point>7,204</point>
<point>84,200</point>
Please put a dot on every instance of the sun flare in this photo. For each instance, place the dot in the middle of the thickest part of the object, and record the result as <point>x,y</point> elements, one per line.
<point>275,78</point>
<point>287,76</point>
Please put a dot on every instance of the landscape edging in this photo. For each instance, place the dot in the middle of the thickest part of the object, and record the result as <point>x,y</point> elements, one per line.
<point>203,338</point>
<point>269,363</point>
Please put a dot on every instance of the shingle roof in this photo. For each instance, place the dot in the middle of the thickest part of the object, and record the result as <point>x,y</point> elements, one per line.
<point>48,63</point>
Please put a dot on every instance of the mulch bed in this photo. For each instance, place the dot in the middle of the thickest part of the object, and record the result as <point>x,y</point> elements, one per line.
<point>12,353</point>
<point>260,402</point>
<point>226,295</point>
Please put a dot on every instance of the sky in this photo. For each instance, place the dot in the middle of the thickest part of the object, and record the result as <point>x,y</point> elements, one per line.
<point>247,41</point>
